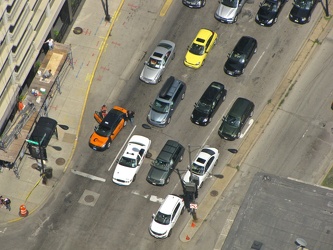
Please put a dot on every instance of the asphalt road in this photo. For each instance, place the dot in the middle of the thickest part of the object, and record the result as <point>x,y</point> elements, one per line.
<point>121,215</point>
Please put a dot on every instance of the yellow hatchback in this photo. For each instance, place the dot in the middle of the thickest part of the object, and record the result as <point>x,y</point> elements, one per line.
<point>202,44</point>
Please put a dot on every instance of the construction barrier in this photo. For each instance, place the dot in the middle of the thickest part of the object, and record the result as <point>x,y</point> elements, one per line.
<point>23,211</point>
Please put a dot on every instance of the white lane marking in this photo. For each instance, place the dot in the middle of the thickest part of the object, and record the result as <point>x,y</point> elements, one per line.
<point>122,148</point>
<point>152,198</point>
<point>257,62</point>
<point>89,176</point>
<point>247,129</point>
<point>40,227</point>
<point>4,230</point>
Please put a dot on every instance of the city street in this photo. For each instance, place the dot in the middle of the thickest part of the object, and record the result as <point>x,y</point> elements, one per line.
<point>297,140</point>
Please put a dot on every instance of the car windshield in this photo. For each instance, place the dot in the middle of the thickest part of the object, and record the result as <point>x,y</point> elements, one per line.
<point>198,169</point>
<point>154,63</point>
<point>237,57</point>
<point>233,121</point>
<point>230,3</point>
<point>197,49</point>
<point>127,162</point>
<point>270,6</point>
<point>103,131</point>
<point>303,4</point>
<point>163,219</point>
<point>161,165</point>
<point>203,106</point>
<point>161,107</point>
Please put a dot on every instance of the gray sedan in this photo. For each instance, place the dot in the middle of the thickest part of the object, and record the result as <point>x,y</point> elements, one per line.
<point>154,68</point>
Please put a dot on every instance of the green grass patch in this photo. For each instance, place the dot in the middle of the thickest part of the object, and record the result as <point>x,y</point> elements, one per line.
<point>328,181</point>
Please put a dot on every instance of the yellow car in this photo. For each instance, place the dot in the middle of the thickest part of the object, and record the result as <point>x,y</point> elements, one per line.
<point>202,44</point>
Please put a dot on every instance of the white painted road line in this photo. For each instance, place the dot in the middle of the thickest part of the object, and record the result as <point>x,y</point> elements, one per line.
<point>152,198</point>
<point>115,159</point>
<point>89,176</point>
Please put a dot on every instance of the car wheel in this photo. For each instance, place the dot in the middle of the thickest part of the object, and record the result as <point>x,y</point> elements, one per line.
<point>255,50</point>
<point>170,232</point>
<point>181,158</point>
<point>238,134</point>
<point>209,120</point>
<point>125,123</point>
<point>216,162</point>
<point>203,62</point>
<point>275,20</point>
<point>203,3</point>
<point>108,144</point>
<point>173,56</point>
<point>134,178</point>
<point>215,41</point>
<point>183,209</point>
<point>243,70</point>
<point>183,96</point>
<point>169,120</point>
<point>251,114</point>
<point>167,180</point>
<point>309,19</point>
<point>236,17</point>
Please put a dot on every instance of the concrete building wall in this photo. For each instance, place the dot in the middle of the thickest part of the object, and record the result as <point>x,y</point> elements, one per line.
<point>24,27</point>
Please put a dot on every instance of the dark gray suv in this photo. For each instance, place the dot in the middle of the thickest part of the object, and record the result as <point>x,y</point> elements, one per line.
<point>172,92</point>
<point>233,123</point>
<point>165,163</point>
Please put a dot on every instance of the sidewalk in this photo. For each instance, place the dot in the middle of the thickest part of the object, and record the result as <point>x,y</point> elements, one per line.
<point>29,190</point>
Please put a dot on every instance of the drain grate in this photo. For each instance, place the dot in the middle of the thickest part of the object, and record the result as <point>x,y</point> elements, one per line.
<point>214,193</point>
<point>89,198</point>
<point>60,161</point>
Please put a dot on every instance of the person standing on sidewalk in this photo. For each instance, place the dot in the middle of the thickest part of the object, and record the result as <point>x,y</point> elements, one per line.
<point>7,202</point>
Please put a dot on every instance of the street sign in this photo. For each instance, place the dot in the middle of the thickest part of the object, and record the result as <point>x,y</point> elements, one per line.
<point>193,206</point>
<point>32,142</point>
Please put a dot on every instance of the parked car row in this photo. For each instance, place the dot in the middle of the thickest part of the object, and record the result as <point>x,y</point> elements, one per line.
<point>269,10</point>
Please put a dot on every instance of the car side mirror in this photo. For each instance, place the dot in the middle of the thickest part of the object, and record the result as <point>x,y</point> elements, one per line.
<point>195,104</point>
<point>229,54</point>
<point>150,105</point>
<point>145,63</point>
<point>153,216</point>
<point>260,4</point>
<point>224,118</point>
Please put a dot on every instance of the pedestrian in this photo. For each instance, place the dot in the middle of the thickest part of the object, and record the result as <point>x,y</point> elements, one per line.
<point>47,74</point>
<point>104,110</point>
<point>7,202</point>
<point>130,116</point>
<point>50,42</point>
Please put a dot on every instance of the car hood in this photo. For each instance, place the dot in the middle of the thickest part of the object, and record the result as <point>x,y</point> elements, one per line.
<point>157,175</point>
<point>150,73</point>
<point>158,228</point>
<point>97,140</point>
<point>232,65</point>
<point>265,14</point>
<point>299,13</point>
<point>156,116</point>
<point>192,58</point>
<point>124,173</point>
<point>198,115</point>
<point>228,130</point>
<point>226,12</point>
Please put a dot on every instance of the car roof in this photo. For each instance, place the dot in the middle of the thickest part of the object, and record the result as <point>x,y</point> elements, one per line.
<point>205,154</point>
<point>203,35</point>
<point>135,144</point>
<point>239,106</point>
<point>168,150</point>
<point>112,118</point>
<point>211,92</point>
<point>244,44</point>
<point>169,88</point>
<point>169,204</point>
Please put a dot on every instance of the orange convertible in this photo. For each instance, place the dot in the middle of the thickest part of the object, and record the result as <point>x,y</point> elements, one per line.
<point>108,129</point>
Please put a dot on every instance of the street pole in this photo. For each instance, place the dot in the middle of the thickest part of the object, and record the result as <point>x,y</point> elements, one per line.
<point>107,15</point>
<point>190,161</point>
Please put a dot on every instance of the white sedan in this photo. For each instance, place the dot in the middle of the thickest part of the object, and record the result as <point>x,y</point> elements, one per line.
<point>203,165</point>
<point>130,162</point>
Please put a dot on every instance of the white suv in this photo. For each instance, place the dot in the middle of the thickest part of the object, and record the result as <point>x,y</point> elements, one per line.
<point>166,216</point>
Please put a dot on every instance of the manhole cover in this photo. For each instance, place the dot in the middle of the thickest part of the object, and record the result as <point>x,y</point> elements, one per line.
<point>89,198</point>
<point>214,193</point>
<point>148,155</point>
<point>60,161</point>
<point>77,30</point>
<point>34,166</point>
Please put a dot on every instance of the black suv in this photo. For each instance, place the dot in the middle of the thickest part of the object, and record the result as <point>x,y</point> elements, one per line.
<point>233,123</point>
<point>269,11</point>
<point>208,104</point>
<point>172,92</point>
<point>165,163</point>
<point>240,56</point>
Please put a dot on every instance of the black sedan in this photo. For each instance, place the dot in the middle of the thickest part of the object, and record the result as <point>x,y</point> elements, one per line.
<point>240,56</point>
<point>208,104</point>
<point>195,4</point>
<point>302,10</point>
<point>269,11</point>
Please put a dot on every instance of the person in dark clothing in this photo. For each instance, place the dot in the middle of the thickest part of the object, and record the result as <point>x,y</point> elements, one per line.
<point>130,116</point>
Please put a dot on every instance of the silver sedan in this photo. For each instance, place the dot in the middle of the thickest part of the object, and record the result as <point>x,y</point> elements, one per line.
<point>154,68</point>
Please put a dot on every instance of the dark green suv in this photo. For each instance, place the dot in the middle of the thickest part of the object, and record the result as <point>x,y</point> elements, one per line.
<point>233,123</point>
<point>165,163</point>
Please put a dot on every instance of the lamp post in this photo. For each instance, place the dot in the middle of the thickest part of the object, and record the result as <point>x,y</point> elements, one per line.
<point>107,15</point>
